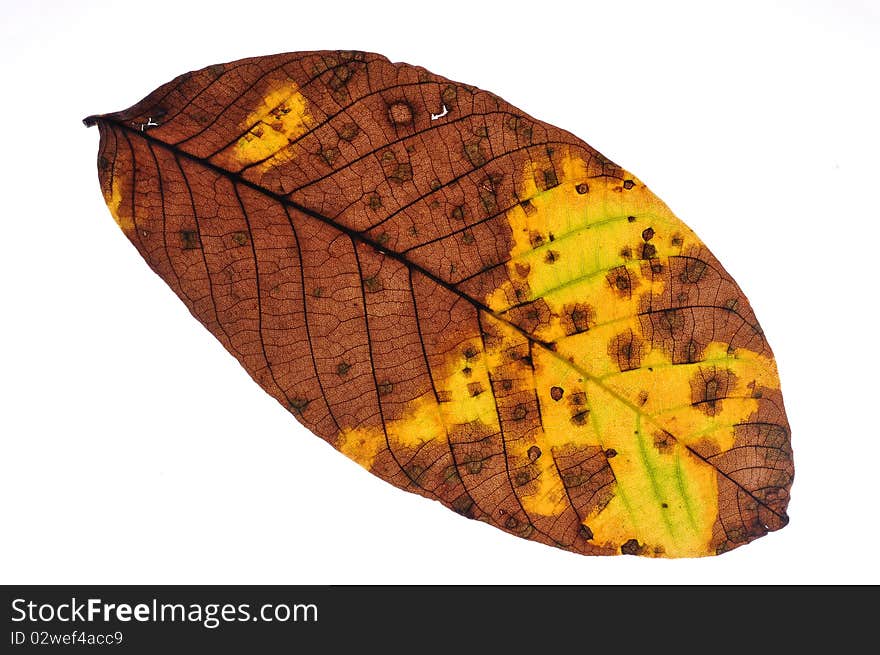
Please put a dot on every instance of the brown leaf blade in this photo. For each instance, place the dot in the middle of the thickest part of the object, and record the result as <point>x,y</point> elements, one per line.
<point>474,305</point>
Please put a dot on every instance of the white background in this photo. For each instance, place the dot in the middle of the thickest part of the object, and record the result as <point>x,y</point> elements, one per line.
<point>136,450</point>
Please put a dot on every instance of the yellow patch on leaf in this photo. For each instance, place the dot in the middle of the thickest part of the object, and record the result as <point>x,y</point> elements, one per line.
<point>280,119</point>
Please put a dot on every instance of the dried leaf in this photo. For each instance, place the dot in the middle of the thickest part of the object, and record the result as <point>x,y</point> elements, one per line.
<point>474,305</point>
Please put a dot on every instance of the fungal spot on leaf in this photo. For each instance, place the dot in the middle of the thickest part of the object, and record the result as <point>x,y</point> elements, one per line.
<point>473,466</point>
<point>189,239</point>
<point>585,532</point>
<point>676,240</point>
<point>385,388</point>
<point>628,184</point>
<point>400,113</point>
<point>342,368</point>
<point>511,523</point>
<point>458,213</point>
<point>610,453</point>
<point>467,238</point>
<point>298,405</point>
<point>372,284</point>
<point>401,173</point>
<point>551,257</point>
<point>522,269</point>
<point>550,179</point>
<point>474,155</point>
<point>663,442</point>
<point>556,393</point>
<point>463,505</point>
<point>580,418</point>
<point>240,238</point>
<point>648,251</point>
<point>521,478</point>
<point>693,271</point>
<point>632,547</point>
<point>519,412</point>
<point>648,234</point>
<point>536,239</point>
<point>626,350</point>
<point>630,219</point>
<point>475,389</point>
<point>643,398</point>
<point>349,131</point>
<point>620,281</point>
<point>582,188</point>
<point>709,387</point>
<point>374,201</point>
<point>533,453</point>
<point>576,318</point>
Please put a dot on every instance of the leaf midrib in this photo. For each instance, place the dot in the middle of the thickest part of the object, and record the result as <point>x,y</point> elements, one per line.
<point>358,236</point>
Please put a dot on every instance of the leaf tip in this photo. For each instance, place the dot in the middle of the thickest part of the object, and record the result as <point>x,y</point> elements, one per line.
<point>88,121</point>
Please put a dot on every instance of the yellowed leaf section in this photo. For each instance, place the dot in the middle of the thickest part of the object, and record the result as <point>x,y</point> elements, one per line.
<point>464,387</point>
<point>589,248</point>
<point>281,117</point>
<point>114,203</point>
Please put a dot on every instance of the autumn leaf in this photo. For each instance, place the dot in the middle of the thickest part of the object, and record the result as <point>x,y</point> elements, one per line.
<point>472,304</point>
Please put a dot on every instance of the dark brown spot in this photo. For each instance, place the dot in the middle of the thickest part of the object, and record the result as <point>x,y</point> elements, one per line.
<point>298,405</point>
<point>628,184</point>
<point>663,442</point>
<point>582,188</point>
<point>474,155</point>
<point>475,389</point>
<point>511,523</point>
<point>527,207</point>
<point>519,412</point>
<point>522,269</point>
<point>643,398</point>
<point>585,532</point>
<point>470,352</point>
<point>626,349</point>
<point>382,239</point>
<point>648,234</point>
<point>448,94</point>
<point>189,239</point>
<point>402,173</point>
<point>329,155</point>
<point>676,240</point>
<point>576,318</point>
<point>534,453</point>
<point>521,478</point>
<point>463,505</point>
<point>550,179</point>
<point>693,271</point>
<point>400,113</point>
<point>374,201</point>
<point>631,219</point>
<point>467,238</point>
<point>664,505</point>
<point>610,452</point>
<point>474,466</point>
<point>240,238</point>
<point>373,284</point>
<point>551,257</point>
<point>349,131</point>
<point>467,370</point>
<point>506,385</point>
<point>626,252</point>
<point>458,213</point>
<point>342,368</point>
<point>385,388</point>
<point>536,239</point>
<point>556,393</point>
<point>648,251</point>
<point>318,292</point>
<point>580,418</point>
<point>709,387</point>
<point>632,547</point>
